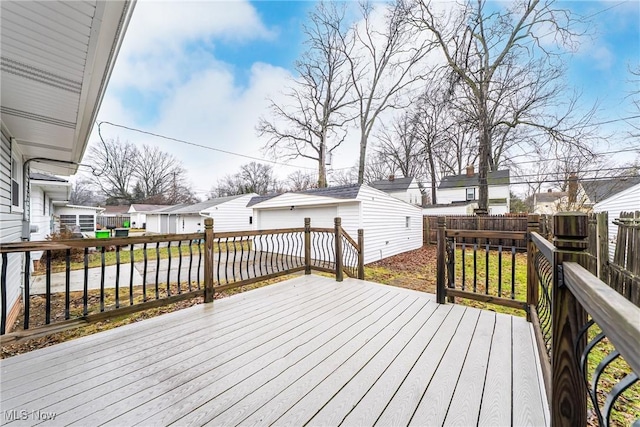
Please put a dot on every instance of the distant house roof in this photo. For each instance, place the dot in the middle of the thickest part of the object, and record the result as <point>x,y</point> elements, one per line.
<point>147,208</point>
<point>550,197</point>
<point>196,208</point>
<point>598,190</point>
<point>340,192</point>
<point>395,184</point>
<point>37,176</point>
<point>115,209</point>
<point>493,178</point>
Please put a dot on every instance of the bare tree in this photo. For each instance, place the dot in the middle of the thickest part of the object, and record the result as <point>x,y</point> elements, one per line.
<point>298,181</point>
<point>312,125</point>
<point>114,168</point>
<point>384,64</point>
<point>508,64</point>
<point>158,173</point>
<point>252,178</point>
<point>83,193</point>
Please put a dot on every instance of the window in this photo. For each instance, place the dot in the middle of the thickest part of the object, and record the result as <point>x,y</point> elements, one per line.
<point>471,193</point>
<point>15,184</point>
<point>68,221</point>
<point>407,222</point>
<point>86,223</point>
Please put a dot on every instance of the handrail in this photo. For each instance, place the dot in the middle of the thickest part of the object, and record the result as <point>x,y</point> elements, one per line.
<point>544,246</point>
<point>618,318</point>
<point>488,234</point>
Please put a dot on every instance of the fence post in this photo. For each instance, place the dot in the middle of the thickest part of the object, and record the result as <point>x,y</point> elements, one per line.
<point>441,266</point>
<point>568,400</point>
<point>208,260</point>
<point>360,254</point>
<point>425,230</point>
<point>307,246</point>
<point>533,224</point>
<point>338,254</point>
<point>603,245</point>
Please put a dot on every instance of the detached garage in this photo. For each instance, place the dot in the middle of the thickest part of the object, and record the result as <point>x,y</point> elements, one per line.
<point>390,226</point>
<point>229,214</point>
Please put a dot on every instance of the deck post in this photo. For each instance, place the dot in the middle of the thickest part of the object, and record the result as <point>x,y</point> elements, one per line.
<point>307,246</point>
<point>533,224</point>
<point>208,260</point>
<point>441,291</point>
<point>338,253</point>
<point>360,254</point>
<point>568,399</point>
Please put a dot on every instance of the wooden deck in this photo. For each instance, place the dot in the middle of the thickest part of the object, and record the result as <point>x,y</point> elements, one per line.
<point>305,351</point>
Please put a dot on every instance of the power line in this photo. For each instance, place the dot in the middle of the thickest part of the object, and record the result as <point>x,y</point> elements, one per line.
<point>206,147</point>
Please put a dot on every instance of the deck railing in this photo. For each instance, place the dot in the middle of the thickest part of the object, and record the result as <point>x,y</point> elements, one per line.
<point>97,279</point>
<point>572,313</point>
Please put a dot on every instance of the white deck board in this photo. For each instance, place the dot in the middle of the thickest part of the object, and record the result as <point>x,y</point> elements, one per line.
<point>305,351</point>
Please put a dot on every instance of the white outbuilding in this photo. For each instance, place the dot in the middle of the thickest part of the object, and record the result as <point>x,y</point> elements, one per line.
<point>391,226</point>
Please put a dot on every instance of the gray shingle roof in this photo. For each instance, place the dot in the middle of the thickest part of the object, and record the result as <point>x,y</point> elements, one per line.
<point>37,176</point>
<point>598,190</point>
<point>340,192</point>
<point>493,178</point>
<point>398,184</point>
<point>550,197</point>
<point>147,208</point>
<point>198,207</point>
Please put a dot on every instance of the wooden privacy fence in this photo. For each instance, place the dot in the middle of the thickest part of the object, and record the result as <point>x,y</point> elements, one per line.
<point>571,310</point>
<point>87,280</point>
<point>512,223</point>
<point>113,221</point>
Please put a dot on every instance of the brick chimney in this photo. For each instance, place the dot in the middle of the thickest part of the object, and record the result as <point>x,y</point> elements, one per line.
<point>573,188</point>
<point>470,171</point>
<point>392,177</point>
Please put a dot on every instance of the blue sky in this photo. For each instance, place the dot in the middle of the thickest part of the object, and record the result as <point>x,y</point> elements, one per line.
<point>204,75</point>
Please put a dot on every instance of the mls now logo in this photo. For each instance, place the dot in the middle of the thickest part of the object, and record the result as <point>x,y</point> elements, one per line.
<point>16,415</point>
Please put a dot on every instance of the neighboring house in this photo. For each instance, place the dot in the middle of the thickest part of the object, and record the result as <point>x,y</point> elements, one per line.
<point>391,226</point>
<point>116,210</point>
<point>627,200</point>
<point>45,191</point>
<point>455,208</point>
<point>163,220</point>
<point>55,70</point>
<point>138,214</point>
<point>550,202</point>
<point>405,189</point>
<point>595,191</point>
<point>73,217</point>
<point>465,188</point>
<point>229,214</point>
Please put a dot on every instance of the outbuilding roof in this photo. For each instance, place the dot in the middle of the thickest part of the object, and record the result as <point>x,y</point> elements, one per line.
<point>196,208</point>
<point>598,190</point>
<point>339,192</point>
<point>395,184</point>
<point>138,207</point>
<point>549,197</point>
<point>501,177</point>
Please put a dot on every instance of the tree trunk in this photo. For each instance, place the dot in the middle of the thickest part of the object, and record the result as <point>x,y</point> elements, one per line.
<point>363,157</point>
<point>322,164</point>
<point>483,197</point>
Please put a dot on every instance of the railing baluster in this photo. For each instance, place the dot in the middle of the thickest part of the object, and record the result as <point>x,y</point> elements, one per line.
<point>262,245</point>
<point>117,276</point>
<point>131,272</point>
<point>144,273</point>
<point>85,297</point>
<point>168,269</point>
<point>248,257</point>
<point>48,289</point>
<point>27,289</point>
<point>513,272</point>
<point>233,265</point>
<point>486,270</point>
<point>226,261</point>
<point>158,270</point>
<point>500,268</point>
<point>255,252</point>
<point>179,264</point>
<point>3,294</point>
<point>272,251</point>
<point>102,271</point>
<point>475,267</point>
<point>219,261</point>
<point>67,284</point>
<point>200,262</point>
<point>190,262</point>
<point>464,266</point>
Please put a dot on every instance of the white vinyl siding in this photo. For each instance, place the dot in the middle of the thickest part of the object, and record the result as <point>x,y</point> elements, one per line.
<point>232,215</point>
<point>625,201</point>
<point>10,225</point>
<point>82,217</point>
<point>384,223</point>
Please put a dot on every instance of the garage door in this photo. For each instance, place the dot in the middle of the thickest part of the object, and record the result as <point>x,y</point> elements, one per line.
<point>293,218</point>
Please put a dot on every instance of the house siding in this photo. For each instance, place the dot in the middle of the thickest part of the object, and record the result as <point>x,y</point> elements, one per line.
<point>232,215</point>
<point>10,226</point>
<point>625,201</point>
<point>384,224</point>
<point>450,195</point>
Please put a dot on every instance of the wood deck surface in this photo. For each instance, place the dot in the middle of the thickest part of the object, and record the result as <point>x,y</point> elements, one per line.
<point>308,351</point>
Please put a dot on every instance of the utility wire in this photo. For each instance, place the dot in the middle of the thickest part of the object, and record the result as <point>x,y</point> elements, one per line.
<point>206,147</point>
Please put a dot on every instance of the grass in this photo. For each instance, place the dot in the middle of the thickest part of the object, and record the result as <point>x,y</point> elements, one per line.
<point>58,263</point>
